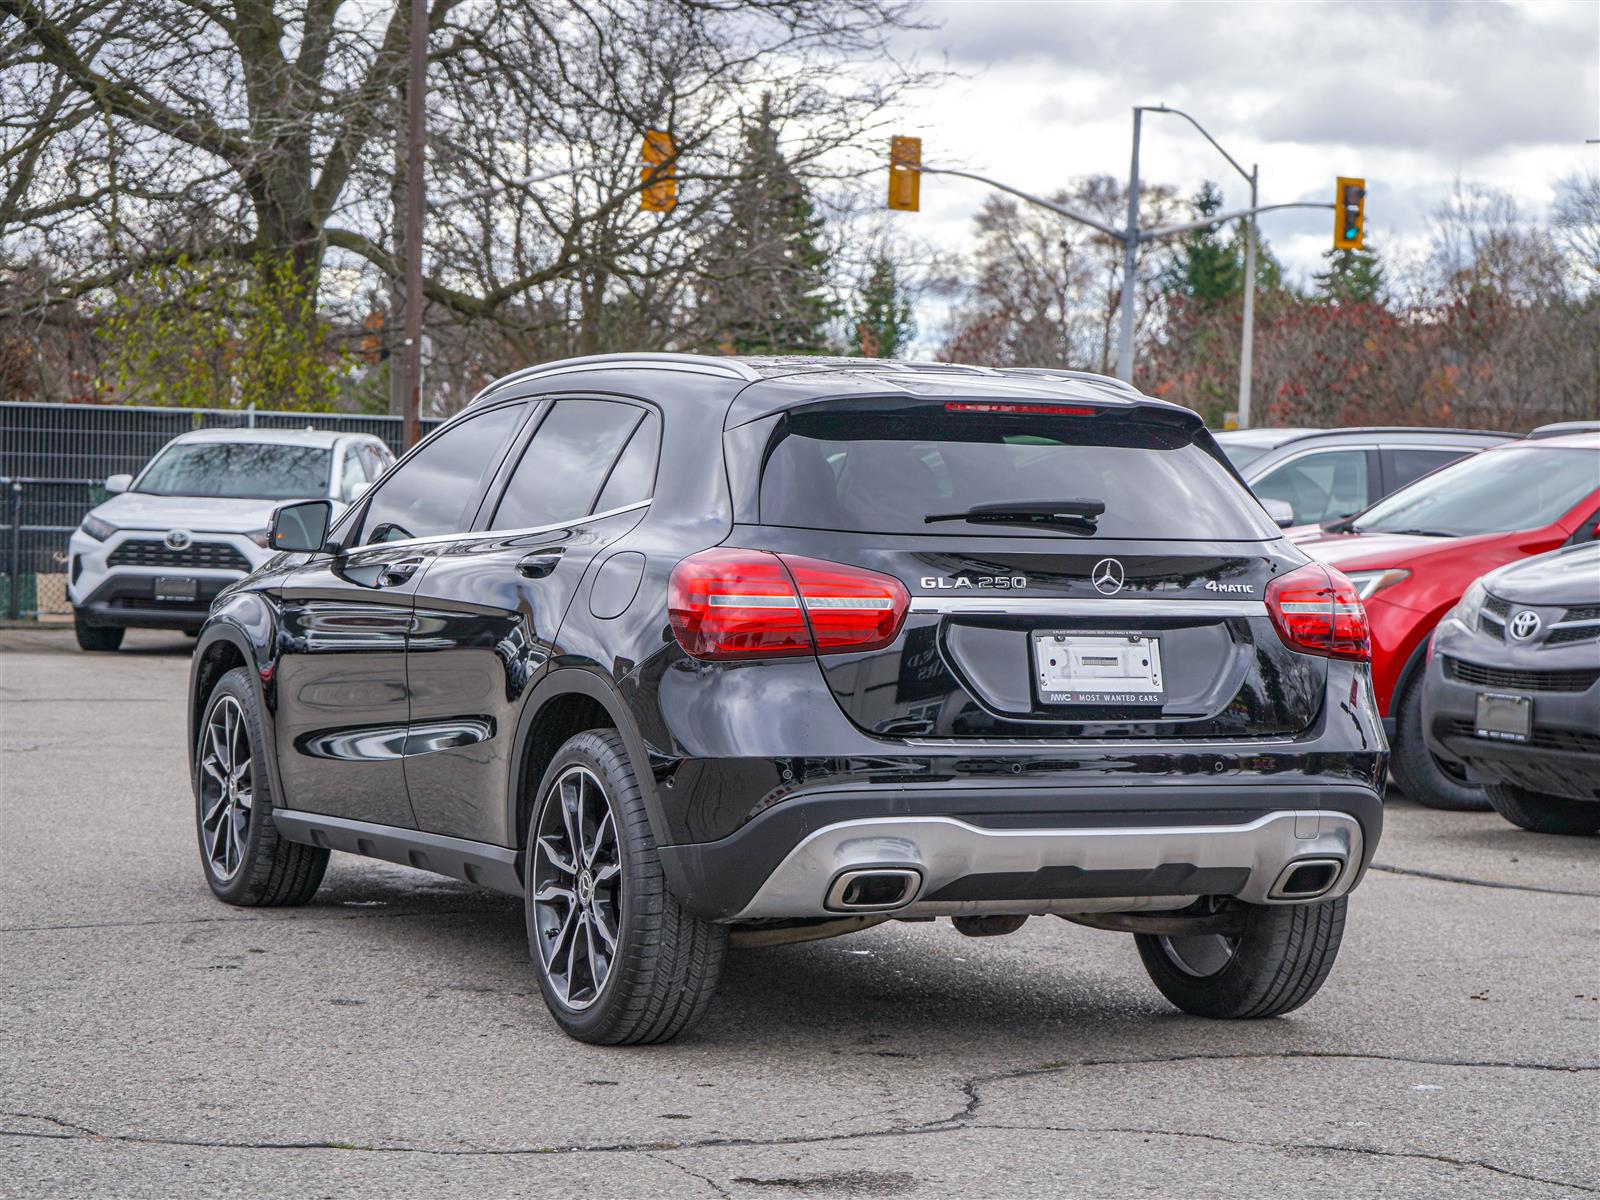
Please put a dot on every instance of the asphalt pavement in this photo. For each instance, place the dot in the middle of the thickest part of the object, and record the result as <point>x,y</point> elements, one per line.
<point>389,1039</point>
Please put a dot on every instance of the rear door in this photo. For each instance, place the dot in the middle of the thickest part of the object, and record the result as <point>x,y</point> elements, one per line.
<point>491,604</point>
<point>1145,621</point>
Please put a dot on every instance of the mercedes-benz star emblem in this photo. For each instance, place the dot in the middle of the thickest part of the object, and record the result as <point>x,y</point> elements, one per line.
<point>178,539</point>
<point>1524,625</point>
<point>1107,577</point>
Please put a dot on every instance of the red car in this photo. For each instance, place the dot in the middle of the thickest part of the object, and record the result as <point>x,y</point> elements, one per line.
<point>1415,552</point>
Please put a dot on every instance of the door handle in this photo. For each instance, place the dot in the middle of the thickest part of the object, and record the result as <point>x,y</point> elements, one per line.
<point>540,563</point>
<point>396,573</point>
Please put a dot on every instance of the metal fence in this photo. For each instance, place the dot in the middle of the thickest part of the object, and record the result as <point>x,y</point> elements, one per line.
<point>54,459</point>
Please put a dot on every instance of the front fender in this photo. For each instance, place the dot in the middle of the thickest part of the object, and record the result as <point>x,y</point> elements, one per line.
<point>245,623</point>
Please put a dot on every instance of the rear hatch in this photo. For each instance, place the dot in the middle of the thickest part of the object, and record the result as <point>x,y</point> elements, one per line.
<point>1075,570</point>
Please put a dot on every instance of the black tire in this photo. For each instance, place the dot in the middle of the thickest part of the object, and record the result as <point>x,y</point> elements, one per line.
<point>1276,965</point>
<point>1544,814</point>
<point>665,963</point>
<point>96,637</point>
<point>259,868</point>
<point>1421,775</point>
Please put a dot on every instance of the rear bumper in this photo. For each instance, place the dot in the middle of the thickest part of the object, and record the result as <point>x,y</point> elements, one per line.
<point>1081,850</point>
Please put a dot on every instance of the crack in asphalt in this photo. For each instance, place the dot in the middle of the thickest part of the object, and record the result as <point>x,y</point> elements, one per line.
<point>656,1156</point>
<point>965,1117</point>
<point>1328,1147</point>
<point>1442,877</point>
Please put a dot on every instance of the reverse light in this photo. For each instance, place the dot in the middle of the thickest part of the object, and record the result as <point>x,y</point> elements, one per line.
<point>995,406</point>
<point>731,603</point>
<point>1316,609</point>
<point>1370,583</point>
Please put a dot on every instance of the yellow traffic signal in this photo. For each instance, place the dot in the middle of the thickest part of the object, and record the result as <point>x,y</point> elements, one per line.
<point>1350,214</point>
<point>659,173</point>
<point>905,174</point>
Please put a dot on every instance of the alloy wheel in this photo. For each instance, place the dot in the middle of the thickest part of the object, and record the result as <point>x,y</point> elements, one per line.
<point>577,887</point>
<point>227,789</point>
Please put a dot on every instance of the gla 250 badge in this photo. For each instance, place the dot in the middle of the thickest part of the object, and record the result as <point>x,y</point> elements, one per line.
<point>943,583</point>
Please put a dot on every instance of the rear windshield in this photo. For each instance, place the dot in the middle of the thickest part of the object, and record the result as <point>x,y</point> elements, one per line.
<point>239,470</point>
<point>888,471</point>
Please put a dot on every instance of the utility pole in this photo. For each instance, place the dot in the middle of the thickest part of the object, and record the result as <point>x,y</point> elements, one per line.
<point>416,131</point>
<point>1248,334</point>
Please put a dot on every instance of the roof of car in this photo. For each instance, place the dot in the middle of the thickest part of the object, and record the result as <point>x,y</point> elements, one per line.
<point>1563,441</point>
<point>1276,437</point>
<point>288,437</point>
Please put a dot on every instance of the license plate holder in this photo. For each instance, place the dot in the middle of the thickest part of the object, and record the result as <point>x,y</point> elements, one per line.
<point>175,587</point>
<point>1503,717</point>
<point>1073,667</point>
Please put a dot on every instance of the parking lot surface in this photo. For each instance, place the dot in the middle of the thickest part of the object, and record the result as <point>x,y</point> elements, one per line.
<point>389,1037</point>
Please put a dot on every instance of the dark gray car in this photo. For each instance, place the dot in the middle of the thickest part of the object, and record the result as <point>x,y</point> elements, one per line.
<point>1512,690</point>
<point>1307,476</point>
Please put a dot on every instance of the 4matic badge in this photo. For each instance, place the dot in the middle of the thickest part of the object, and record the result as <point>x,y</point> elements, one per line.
<point>1211,585</point>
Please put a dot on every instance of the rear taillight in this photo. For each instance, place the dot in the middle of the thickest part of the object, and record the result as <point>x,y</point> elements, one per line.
<point>729,603</point>
<point>1316,609</point>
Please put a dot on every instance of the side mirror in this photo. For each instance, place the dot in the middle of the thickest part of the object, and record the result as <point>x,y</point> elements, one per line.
<point>301,527</point>
<point>1281,511</point>
<point>116,484</point>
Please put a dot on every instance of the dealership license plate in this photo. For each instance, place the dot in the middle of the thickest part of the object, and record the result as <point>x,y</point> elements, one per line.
<point>173,587</point>
<point>1078,668</point>
<point>1503,717</point>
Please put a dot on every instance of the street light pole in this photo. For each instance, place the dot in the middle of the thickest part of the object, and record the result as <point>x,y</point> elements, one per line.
<point>1247,335</point>
<point>411,351</point>
<point>1130,260</point>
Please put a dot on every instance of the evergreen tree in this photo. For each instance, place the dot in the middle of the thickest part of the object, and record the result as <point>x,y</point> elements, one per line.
<point>766,278</point>
<point>883,321</point>
<point>1205,267</point>
<point>1352,277</point>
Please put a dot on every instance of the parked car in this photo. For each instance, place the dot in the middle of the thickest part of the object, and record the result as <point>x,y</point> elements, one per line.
<point>1414,554</point>
<point>874,640</point>
<point>1307,476</point>
<point>1512,691</point>
<point>195,520</point>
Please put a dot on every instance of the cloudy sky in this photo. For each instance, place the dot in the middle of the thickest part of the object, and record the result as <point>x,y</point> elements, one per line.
<point>1408,95</point>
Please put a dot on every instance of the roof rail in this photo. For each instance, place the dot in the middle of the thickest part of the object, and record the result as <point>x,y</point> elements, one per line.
<point>707,364</point>
<point>1110,381</point>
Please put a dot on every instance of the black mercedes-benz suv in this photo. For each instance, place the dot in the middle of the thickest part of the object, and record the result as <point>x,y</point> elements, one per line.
<point>693,652</point>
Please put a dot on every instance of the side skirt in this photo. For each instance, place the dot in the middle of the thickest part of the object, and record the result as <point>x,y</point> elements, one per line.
<point>487,866</point>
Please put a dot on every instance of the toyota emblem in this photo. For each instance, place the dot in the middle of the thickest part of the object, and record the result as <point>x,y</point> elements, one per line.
<point>1107,577</point>
<point>178,539</point>
<point>1524,625</point>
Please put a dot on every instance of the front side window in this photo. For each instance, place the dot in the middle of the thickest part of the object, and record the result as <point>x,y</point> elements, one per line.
<point>566,463</point>
<point>239,471</point>
<point>352,475</point>
<point>432,491</point>
<point>1498,491</point>
<point>1319,487</point>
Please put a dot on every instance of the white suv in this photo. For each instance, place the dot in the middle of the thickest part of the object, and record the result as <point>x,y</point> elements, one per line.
<point>195,520</point>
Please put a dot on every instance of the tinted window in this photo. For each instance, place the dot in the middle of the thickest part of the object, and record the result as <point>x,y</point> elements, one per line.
<point>565,463</point>
<point>1493,492</point>
<point>887,471</point>
<point>1409,465</point>
<point>431,492</point>
<point>1319,486</point>
<point>634,477</point>
<point>239,470</point>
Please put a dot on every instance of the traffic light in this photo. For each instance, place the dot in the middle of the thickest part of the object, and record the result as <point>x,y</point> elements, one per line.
<point>905,174</point>
<point>1350,214</point>
<point>660,181</point>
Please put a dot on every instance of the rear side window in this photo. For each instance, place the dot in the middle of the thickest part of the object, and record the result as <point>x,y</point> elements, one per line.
<point>566,464</point>
<point>1407,465</point>
<point>888,470</point>
<point>634,477</point>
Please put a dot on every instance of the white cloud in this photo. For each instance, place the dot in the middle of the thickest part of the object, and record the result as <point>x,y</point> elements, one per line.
<point>1408,95</point>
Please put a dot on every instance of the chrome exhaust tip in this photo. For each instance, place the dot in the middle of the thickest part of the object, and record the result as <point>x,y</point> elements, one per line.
<point>873,889</point>
<point>1306,879</point>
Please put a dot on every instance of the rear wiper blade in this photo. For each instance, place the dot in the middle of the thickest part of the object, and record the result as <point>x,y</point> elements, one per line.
<point>1076,515</point>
